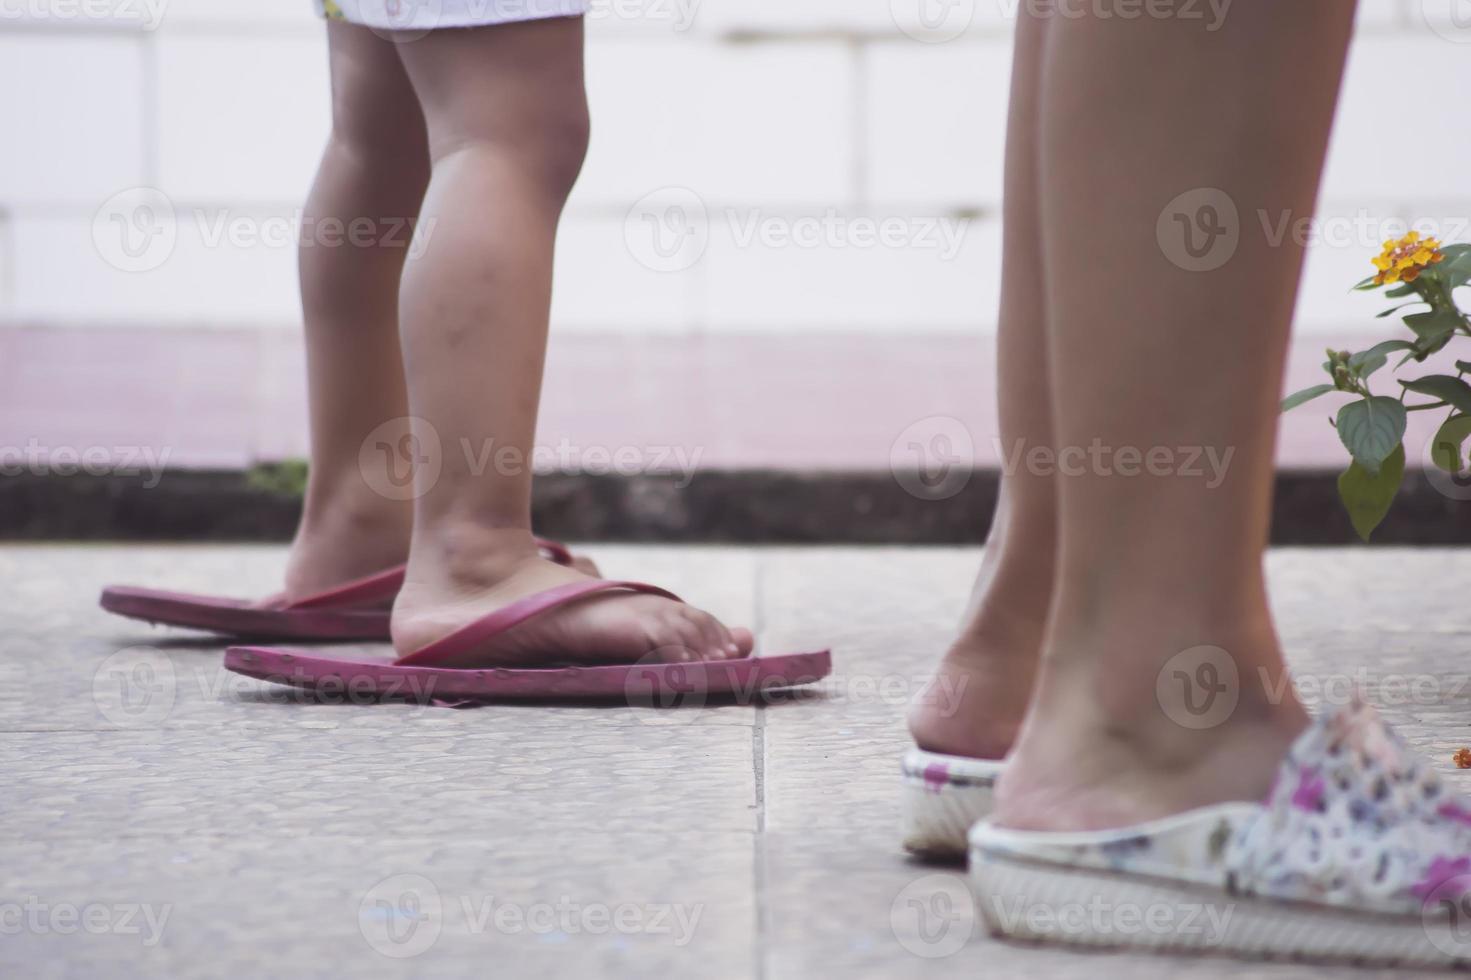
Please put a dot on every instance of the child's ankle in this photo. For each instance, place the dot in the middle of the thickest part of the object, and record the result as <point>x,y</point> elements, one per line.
<point>470,554</point>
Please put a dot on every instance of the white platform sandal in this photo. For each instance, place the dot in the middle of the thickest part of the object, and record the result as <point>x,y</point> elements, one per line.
<point>1360,854</point>
<point>942,797</point>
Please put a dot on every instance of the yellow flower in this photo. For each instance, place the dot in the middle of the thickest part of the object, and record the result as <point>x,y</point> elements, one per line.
<point>1405,259</point>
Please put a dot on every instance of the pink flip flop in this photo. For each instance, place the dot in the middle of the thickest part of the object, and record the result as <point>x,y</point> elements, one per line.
<point>356,610</point>
<point>422,676</point>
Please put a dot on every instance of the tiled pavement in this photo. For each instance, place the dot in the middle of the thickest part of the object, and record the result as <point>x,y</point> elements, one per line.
<point>269,836</point>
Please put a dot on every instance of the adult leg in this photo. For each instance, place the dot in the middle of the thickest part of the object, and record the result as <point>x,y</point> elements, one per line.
<point>975,703</point>
<point>507,125</point>
<point>1147,354</point>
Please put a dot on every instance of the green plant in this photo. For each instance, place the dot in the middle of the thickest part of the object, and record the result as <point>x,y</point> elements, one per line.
<point>1425,275</point>
<point>287,477</point>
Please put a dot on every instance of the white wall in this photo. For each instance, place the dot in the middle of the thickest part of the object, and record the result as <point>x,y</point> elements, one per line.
<point>763,111</point>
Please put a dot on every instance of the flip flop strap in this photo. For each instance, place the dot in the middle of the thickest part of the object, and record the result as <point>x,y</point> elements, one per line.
<point>376,588</point>
<point>383,586</point>
<point>468,637</point>
<point>555,551</point>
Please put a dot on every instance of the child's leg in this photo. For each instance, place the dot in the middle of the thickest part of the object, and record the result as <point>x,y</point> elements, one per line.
<point>375,167</point>
<point>507,123</point>
<point>974,705</point>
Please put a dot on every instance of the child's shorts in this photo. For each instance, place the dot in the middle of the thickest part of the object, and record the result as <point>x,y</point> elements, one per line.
<point>420,15</point>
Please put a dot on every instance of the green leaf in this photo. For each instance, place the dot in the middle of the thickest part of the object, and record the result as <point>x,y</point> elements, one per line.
<point>1306,395</point>
<point>1366,284</point>
<point>1367,362</point>
<point>1444,388</point>
<point>1455,269</point>
<point>1371,428</point>
<point>1434,324</point>
<point>1395,309</point>
<point>1463,365</point>
<point>1446,449</point>
<point>1403,289</point>
<point>1367,495</point>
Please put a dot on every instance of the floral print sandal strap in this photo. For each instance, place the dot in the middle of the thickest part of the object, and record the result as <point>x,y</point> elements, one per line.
<point>1360,852</point>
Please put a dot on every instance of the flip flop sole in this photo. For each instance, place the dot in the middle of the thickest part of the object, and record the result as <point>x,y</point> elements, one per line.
<point>664,685</point>
<point>236,618</point>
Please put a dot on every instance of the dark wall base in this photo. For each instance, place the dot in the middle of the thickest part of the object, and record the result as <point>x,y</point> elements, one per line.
<point>745,507</point>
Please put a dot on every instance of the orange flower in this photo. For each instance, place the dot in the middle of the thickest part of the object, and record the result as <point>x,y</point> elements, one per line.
<point>1462,758</point>
<point>1404,260</point>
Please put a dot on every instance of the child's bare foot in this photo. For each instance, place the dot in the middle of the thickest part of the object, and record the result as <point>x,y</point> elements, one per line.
<point>354,536</point>
<point>481,572</point>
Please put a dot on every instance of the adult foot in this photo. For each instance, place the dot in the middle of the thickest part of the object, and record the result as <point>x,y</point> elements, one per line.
<point>1112,748</point>
<point>471,575</point>
<point>974,704</point>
